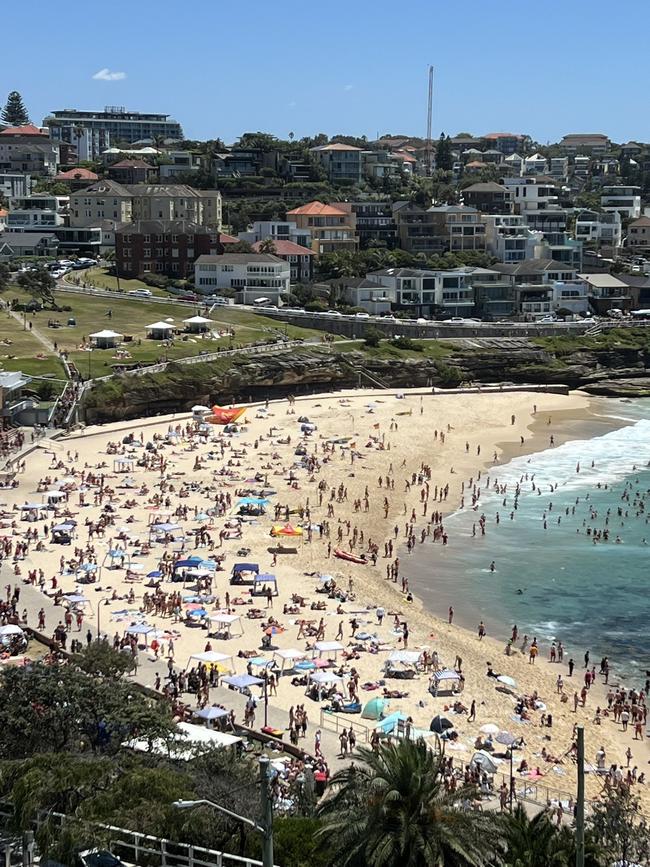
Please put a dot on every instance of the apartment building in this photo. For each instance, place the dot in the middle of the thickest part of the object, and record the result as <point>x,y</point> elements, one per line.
<point>622,198</point>
<point>426,293</point>
<point>300,259</point>
<point>489,197</point>
<point>251,276</point>
<point>604,230</point>
<point>418,229</point>
<point>15,185</point>
<point>461,227</point>
<point>375,224</point>
<point>38,212</point>
<point>28,150</point>
<point>340,162</point>
<point>178,163</point>
<point>168,247</point>
<point>276,230</point>
<point>507,142</point>
<point>509,237</point>
<point>103,200</point>
<point>638,235</point>
<point>590,143</point>
<point>131,172</point>
<point>332,229</point>
<point>120,125</point>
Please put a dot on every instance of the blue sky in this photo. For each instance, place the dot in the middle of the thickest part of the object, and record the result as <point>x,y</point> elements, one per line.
<point>222,68</point>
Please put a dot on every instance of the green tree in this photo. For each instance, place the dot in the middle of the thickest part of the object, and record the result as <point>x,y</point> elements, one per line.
<point>393,809</point>
<point>5,274</point>
<point>39,284</point>
<point>14,113</point>
<point>99,659</point>
<point>537,842</point>
<point>618,825</point>
<point>267,246</point>
<point>444,158</point>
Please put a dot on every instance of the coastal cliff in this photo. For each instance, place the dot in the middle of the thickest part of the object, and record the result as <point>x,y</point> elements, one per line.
<point>605,370</point>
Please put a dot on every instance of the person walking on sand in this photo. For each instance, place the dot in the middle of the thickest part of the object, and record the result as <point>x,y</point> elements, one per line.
<point>451,615</point>
<point>472,711</point>
<point>481,631</point>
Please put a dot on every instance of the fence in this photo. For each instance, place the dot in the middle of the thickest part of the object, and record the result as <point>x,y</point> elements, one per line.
<point>137,848</point>
<point>337,724</point>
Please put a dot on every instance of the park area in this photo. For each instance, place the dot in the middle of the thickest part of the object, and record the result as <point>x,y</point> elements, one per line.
<point>70,330</point>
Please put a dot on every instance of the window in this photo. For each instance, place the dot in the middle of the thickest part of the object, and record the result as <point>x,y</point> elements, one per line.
<point>159,239</point>
<point>159,251</point>
<point>174,239</point>
<point>146,238</point>
<point>227,268</point>
<point>190,252</point>
<point>147,252</point>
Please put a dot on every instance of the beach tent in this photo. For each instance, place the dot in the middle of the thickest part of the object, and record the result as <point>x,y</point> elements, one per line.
<point>106,339</point>
<point>222,416</point>
<point>446,679</point>
<point>184,742</point>
<point>288,658</point>
<point>483,760</point>
<point>156,531</point>
<point>197,324</point>
<point>253,501</point>
<point>211,713</point>
<point>328,647</point>
<point>211,657</point>
<point>123,465</point>
<point>244,573</point>
<point>159,330</point>
<point>226,622</point>
<point>9,632</point>
<point>54,496</point>
<point>324,677</point>
<point>374,709</point>
<point>439,724</point>
<point>242,681</point>
<point>389,725</point>
<point>286,530</point>
<point>140,629</point>
<point>264,580</point>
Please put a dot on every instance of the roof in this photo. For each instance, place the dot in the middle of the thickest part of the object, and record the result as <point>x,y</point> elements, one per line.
<point>406,157</point>
<point>317,208</point>
<point>130,164</point>
<point>27,129</point>
<point>642,221</point>
<point>227,239</point>
<point>77,174</point>
<point>603,281</point>
<point>337,146</point>
<point>160,326</point>
<point>171,190</point>
<point>27,239</point>
<point>106,334</point>
<point>105,187</point>
<point>286,248</point>
<point>530,266</point>
<point>475,164</point>
<point>487,187</point>
<point>238,259</point>
<point>497,135</point>
<point>4,212</point>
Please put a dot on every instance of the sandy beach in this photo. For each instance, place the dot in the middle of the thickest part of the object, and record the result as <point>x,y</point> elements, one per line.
<point>429,451</point>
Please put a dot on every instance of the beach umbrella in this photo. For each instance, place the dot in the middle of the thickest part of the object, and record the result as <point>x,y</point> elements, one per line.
<point>490,729</point>
<point>156,573</point>
<point>505,738</point>
<point>198,612</point>
<point>200,408</point>
<point>202,517</point>
<point>507,680</point>
<point>439,724</point>
<point>10,629</point>
<point>374,709</point>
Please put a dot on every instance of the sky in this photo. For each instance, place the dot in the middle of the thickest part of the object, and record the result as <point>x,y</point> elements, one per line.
<point>356,68</point>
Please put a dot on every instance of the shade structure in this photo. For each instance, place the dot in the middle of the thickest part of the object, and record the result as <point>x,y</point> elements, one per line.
<point>159,330</point>
<point>253,501</point>
<point>139,629</point>
<point>407,656</point>
<point>227,622</point>
<point>197,324</point>
<point>211,713</point>
<point>265,581</point>
<point>243,681</point>
<point>8,632</point>
<point>505,738</point>
<point>328,647</point>
<point>324,677</point>
<point>106,339</point>
<point>288,658</point>
<point>211,657</point>
<point>374,709</point>
<point>439,724</point>
<point>446,674</point>
<point>391,722</point>
<point>184,742</point>
<point>485,762</point>
<point>507,680</point>
<point>489,729</point>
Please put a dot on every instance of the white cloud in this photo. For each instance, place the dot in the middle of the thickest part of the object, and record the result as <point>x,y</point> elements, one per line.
<point>348,87</point>
<point>106,75</point>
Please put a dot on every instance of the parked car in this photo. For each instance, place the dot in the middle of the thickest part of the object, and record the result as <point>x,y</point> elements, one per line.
<point>140,293</point>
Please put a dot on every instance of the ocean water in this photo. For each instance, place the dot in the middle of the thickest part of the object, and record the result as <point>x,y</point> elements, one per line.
<point>555,583</point>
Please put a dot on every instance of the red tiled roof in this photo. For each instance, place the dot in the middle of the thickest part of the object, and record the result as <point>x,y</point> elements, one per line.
<point>285,248</point>
<point>28,129</point>
<point>502,135</point>
<point>475,164</point>
<point>318,208</point>
<point>228,239</point>
<point>4,213</point>
<point>337,146</point>
<point>130,164</point>
<point>78,174</point>
<point>408,158</point>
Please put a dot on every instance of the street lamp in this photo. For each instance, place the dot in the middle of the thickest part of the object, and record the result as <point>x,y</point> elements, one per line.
<point>266,826</point>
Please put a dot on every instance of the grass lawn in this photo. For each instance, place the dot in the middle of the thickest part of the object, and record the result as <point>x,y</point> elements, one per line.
<point>100,278</point>
<point>20,350</point>
<point>129,316</point>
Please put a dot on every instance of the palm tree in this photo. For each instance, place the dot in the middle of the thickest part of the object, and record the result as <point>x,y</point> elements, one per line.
<point>536,842</point>
<point>393,809</point>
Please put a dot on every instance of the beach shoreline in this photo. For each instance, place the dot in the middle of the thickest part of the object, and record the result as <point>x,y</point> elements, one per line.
<point>392,438</point>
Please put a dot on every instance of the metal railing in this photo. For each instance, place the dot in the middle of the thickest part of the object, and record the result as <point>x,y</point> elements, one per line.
<point>138,848</point>
<point>336,724</point>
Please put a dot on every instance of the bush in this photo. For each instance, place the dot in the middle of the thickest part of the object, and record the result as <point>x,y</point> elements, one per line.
<point>406,343</point>
<point>158,281</point>
<point>372,336</point>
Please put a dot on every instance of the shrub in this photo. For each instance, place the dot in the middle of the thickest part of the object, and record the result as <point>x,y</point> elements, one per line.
<point>372,336</point>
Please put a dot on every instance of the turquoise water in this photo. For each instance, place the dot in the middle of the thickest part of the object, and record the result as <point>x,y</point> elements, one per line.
<point>589,596</point>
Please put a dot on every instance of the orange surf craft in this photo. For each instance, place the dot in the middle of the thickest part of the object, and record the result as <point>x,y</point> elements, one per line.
<point>221,415</point>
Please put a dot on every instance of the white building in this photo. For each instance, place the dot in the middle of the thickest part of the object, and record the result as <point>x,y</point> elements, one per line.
<point>536,164</point>
<point>180,163</point>
<point>425,292</point>
<point>559,168</point>
<point>529,195</point>
<point>515,165</point>
<point>508,237</point>
<point>626,200</point>
<point>276,230</point>
<point>38,212</point>
<point>601,229</point>
<point>252,276</point>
